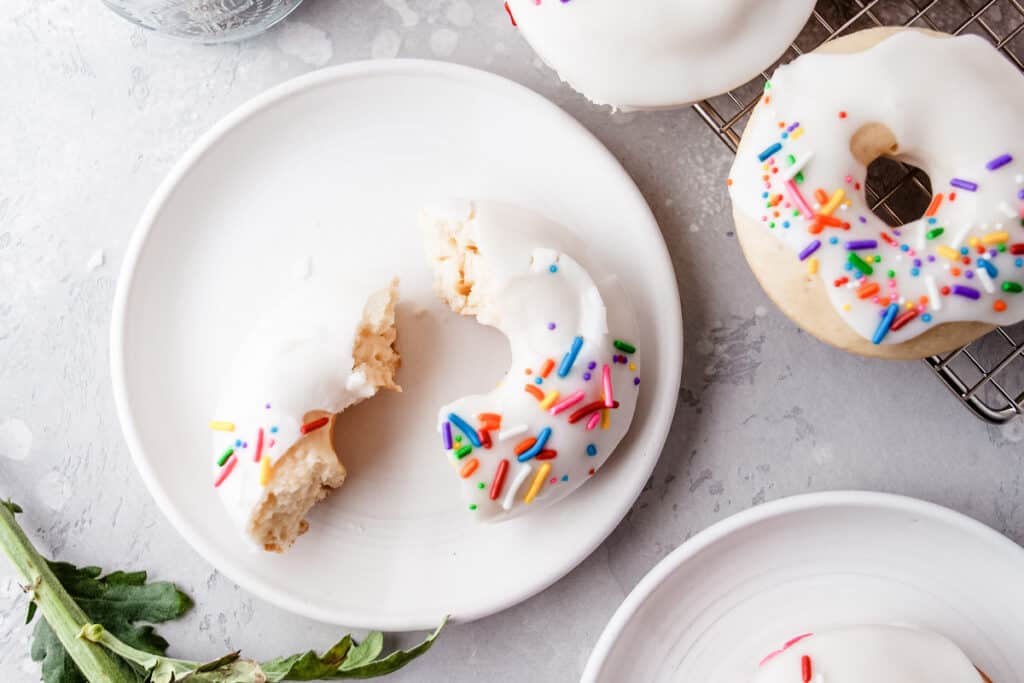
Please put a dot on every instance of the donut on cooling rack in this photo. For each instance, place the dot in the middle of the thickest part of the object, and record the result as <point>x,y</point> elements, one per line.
<point>869,653</point>
<point>951,106</point>
<point>652,54</point>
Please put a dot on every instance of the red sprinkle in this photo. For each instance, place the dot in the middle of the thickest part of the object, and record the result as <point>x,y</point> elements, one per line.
<point>805,668</point>
<point>904,318</point>
<point>547,454</point>
<point>841,281</point>
<point>587,410</point>
<point>499,480</point>
<point>945,291</point>
<point>842,114</point>
<point>485,438</point>
<point>314,425</point>
<point>512,18</point>
<point>888,240</point>
<point>1017,248</point>
<point>226,471</point>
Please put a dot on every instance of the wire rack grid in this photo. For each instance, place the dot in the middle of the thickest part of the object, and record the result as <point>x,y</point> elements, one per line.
<point>987,376</point>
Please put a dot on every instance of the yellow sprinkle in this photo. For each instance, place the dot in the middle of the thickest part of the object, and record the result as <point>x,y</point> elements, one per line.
<point>846,307</point>
<point>632,367</point>
<point>221,426</point>
<point>797,134</point>
<point>812,266</point>
<point>973,241</point>
<point>910,304</point>
<point>265,470</point>
<point>995,237</point>
<point>606,418</point>
<point>949,252</point>
<point>538,481</point>
<point>549,399</point>
<point>833,202</point>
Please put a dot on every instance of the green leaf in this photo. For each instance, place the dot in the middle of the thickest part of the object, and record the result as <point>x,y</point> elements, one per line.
<point>12,506</point>
<point>118,601</point>
<point>308,666</point>
<point>393,662</point>
<point>365,652</point>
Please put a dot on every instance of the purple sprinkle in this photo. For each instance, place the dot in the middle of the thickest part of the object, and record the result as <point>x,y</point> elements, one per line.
<point>999,162</point>
<point>793,127</point>
<point>862,219</point>
<point>968,274</point>
<point>931,258</point>
<point>810,249</point>
<point>964,184</point>
<point>636,381</point>
<point>1020,194</point>
<point>917,263</point>
<point>586,376</point>
<point>245,444</point>
<point>268,406</point>
<point>854,245</point>
<point>446,435</point>
<point>591,365</point>
<point>966,292</point>
<point>993,252</point>
<point>551,326</point>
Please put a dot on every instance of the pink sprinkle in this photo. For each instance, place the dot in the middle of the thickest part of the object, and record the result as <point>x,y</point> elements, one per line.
<point>785,647</point>
<point>594,420</point>
<point>801,202</point>
<point>227,470</point>
<point>272,442</point>
<point>609,397</point>
<point>259,446</point>
<point>566,403</point>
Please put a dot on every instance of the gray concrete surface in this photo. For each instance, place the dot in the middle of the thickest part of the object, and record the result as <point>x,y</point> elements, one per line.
<point>93,112</point>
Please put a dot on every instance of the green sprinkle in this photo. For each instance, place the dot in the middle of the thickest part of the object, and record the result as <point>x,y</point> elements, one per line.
<point>463,452</point>
<point>772,224</point>
<point>1014,287</point>
<point>472,506</point>
<point>458,438</point>
<point>799,177</point>
<point>625,347</point>
<point>767,85</point>
<point>481,485</point>
<point>859,263</point>
<point>1001,248</point>
<point>791,159</point>
<point>877,258</point>
<point>891,274</point>
<point>796,213</point>
<point>934,232</point>
<point>229,452</point>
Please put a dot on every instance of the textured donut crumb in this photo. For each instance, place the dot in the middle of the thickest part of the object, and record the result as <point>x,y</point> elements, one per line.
<point>311,468</point>
<point>460,278</point>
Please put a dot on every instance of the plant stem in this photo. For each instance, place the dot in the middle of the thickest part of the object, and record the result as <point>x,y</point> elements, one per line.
<point>63,614</point>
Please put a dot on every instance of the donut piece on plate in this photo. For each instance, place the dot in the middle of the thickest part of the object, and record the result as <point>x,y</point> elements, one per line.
<point>324,346</point>
<point>654,54</point>
<point>570,393</point>
<point>805,222</point>
<point>869,653</point>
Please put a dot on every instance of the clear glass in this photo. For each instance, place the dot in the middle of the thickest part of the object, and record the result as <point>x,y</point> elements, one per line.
<point>205,21</point>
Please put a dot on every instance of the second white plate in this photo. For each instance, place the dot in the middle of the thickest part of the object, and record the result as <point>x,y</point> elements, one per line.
<point>331,169</point>
<point>714,607</point>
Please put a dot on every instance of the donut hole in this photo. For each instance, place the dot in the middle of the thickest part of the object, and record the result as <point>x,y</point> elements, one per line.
<point>897,191</point>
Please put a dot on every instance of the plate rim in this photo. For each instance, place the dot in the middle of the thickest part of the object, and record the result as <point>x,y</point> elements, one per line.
<point>804,502</point>
<point>663,412</point>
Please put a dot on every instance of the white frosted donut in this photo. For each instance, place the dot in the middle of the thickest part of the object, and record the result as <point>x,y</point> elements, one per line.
<point>950,106</point>
<point>869,653</point>
<point>571,390</point>
<point>650,54</point>
<point>324,345</point>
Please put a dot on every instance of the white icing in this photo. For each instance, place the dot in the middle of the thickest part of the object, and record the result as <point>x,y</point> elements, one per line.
<point>297,359</point>
<point>954,105</point>
<point>646,54</point>
<point>871,653</point>
<point>517,251</point>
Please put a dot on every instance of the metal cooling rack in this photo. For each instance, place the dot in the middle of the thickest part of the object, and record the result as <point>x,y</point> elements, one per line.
<point>987,375</point>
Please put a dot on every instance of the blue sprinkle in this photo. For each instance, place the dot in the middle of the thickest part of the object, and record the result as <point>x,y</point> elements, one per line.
<point>238,443</point>
<point>915,271</point>
<point>273,430</point>
<point>565,477</point>
<point>833,240</point>
<point>883,327</point>
<point>932,221</point>
<point>570,358</point>
<point>989,267</point>
<point>964,251</point>
<point>466,429</point>
<point>763,156</point>
<point>538,380</point>
<point>1018,262</point>
<point>764,195</point>
<point>537,447</point>
<point>553,268</point>
<point>785,224</point>
<point>904,247</point>
<point>927,317</point>
<point>591,450</point>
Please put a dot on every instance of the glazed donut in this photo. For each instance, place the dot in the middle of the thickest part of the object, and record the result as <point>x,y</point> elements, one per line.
<point>869,653</point>
<point>325,345</point>
<point>806,228</point>
<point>571,390</point>
<point>651,54</point>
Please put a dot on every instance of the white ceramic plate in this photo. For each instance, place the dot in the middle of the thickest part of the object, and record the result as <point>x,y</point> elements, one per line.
<point>719,603</point>
<point>334,166</point>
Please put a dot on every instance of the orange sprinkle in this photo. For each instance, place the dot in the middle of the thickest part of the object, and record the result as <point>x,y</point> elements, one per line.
<point>490,420</point>
<point>923,301</point>
<point>469,468</point>
<point>867,289</point>
<point>728,182</point>
<point>999,305</point>
<point>842,114</point>
<point>767,99</point>
<point>782,124</point>
<point>525,445</point>
<point>529,371</point>
<point>955,272</point>
<point>545,369</point>
<point>534,391</point>
<point>821,196</point>
<point>884,301</point>
<point>934,206</point>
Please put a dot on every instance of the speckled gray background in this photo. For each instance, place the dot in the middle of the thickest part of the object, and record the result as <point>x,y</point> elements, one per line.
<point>93,112</point>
